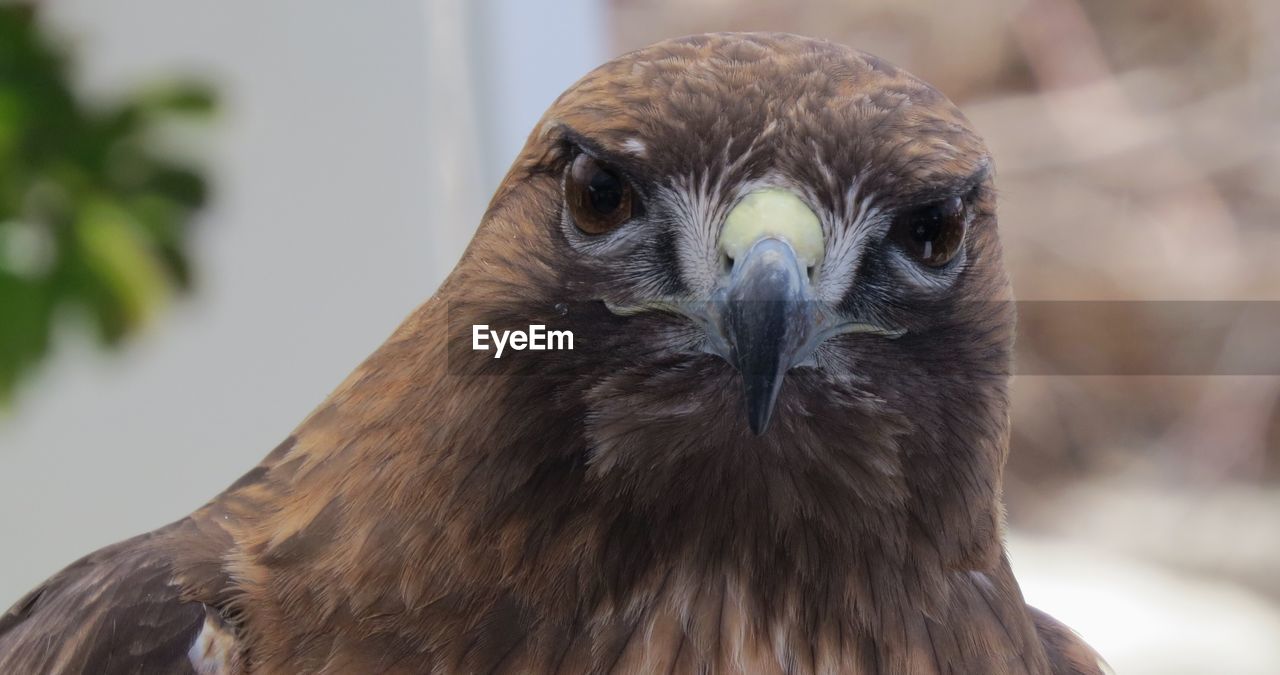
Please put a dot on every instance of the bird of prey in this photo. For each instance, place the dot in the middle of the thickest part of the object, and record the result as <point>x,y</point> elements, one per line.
<point>776,445</point>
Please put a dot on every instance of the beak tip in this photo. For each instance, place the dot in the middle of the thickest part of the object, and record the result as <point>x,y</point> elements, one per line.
<point>759,423</point>
<point>761,396</point>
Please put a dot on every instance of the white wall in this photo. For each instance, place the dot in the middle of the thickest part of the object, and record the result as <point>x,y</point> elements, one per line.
<point>359,143</point>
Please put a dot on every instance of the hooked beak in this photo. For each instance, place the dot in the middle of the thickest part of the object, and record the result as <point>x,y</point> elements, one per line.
<point>767,318</point>
<point>764,318</point>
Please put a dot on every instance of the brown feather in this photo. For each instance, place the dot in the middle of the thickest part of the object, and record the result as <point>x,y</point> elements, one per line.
<point>606,509</point>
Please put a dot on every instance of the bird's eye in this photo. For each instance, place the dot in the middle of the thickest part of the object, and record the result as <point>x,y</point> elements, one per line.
<point>932,234</point>
<point>599,199</point>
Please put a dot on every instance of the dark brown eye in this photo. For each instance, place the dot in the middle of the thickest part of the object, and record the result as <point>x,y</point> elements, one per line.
<point>599,199</point>
<point>932,234</point>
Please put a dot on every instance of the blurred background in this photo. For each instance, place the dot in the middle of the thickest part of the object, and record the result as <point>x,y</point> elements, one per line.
<point>211,212</point>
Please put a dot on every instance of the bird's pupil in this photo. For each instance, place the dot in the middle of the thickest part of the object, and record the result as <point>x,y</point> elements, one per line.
<point>928,228</point>
<point>605,192</point>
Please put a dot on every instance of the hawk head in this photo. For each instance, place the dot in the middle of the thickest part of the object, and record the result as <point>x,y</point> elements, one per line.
<point>779,259</point>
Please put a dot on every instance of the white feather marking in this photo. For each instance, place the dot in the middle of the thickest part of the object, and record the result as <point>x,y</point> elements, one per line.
<point>848,230</point>
<point>636,147</point>
<point>214,651</point>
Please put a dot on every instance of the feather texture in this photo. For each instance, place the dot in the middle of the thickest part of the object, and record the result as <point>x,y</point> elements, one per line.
<point>606,510</point>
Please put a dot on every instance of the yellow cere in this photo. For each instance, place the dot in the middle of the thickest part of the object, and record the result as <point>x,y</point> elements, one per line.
<point>773,212</point>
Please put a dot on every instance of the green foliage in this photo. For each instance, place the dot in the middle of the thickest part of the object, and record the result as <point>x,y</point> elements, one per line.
<point>93,217</point>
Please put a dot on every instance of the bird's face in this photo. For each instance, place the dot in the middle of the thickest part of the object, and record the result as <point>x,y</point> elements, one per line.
<point>785,238</point>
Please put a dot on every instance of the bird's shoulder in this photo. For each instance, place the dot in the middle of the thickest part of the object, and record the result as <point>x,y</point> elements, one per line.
<point>1068,654</point>
<point>126,608</point>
